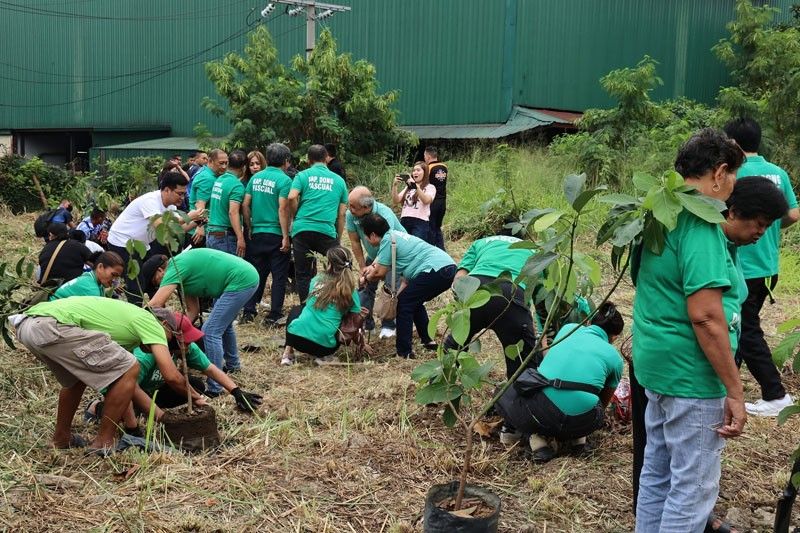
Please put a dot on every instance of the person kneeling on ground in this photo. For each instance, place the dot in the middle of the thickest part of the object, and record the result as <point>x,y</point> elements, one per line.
<point>108,267</point>
<point>313,327</point>
<point>86,340</point>
<point>161,382</point>
<point>582,372</point>
<point>427,272</point>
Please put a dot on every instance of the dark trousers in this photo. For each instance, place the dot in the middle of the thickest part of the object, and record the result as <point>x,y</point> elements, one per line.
<point>509,318</point>
<point>305,267</point>
<point>417,227</point>
<point>538,414</point>
<point>133,292</point>
<point>411,305</point>
<point>264,253</point>
<point>438,208</point>
<point>638,406</point>
<point>300,343</point>
<point>753,349</point>
<point>165,397</point>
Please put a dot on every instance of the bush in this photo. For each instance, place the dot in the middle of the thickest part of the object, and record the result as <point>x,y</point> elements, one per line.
<point>17,187</point>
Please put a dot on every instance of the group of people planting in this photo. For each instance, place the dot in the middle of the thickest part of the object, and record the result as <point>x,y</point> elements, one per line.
<point>695,315</point>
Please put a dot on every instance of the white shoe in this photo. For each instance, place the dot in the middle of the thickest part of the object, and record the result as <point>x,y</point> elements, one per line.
<point>768,407</point>
<point>509,436</point>
<point>287,361</point>
<point>387,333</point>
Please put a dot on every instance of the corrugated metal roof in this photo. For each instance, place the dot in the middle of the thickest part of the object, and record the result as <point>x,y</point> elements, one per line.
<point>521,119</point>
<point>165,143</point>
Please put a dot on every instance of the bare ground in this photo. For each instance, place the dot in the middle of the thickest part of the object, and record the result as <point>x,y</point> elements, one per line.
<point>334,449</point>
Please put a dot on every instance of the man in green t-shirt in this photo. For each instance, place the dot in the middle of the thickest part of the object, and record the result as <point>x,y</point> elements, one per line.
<point>86,341</point>
<point>509,314</point>
<point>224,231</point>
<point>759,263</point>
<point>318,200</point>
<point>360,203</point>
<point>208,273</point>
<point>201,185</point>
<point>268,218</point>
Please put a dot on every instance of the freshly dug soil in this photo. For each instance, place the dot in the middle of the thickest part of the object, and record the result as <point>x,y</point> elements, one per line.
<point>192,432</point>
<point>470,507</point>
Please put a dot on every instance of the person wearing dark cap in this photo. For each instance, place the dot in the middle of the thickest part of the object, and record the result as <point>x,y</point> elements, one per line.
<point>65,257</point>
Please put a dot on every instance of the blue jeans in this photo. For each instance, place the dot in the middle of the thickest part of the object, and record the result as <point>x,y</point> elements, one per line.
<point>226,243</point>
<point>367,297</point>
<point>679,483</point>
<point>220,337</point>
<point>417,227</point>
<point>411,305</point>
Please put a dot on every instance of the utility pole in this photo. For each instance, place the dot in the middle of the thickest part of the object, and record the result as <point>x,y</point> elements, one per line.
<point>312,16</point>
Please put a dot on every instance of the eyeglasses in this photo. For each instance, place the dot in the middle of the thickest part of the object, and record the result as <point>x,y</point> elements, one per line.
<point>181,194</point>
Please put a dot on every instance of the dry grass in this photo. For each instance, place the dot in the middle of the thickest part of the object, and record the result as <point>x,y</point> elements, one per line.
<point>335,449</point>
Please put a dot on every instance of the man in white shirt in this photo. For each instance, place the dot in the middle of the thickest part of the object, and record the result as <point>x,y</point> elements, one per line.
<point>133,222</point>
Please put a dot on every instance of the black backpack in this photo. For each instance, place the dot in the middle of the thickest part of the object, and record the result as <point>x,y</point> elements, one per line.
<point>42,221</point>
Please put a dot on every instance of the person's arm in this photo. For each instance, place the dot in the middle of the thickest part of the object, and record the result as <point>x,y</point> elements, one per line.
<point>144,402</point>
<point>247,213</point>
<point>294,201</point>
<point>358,251</point>
<point>340,221</point>
<point>192,306</point>
<point>792,216</point>
<point>707,315</point>
<point>605,396</point>
<point>426,197</point>
<point>285,219</point>
<point>236,224</point>
<point>461,272</point>
<point>220,377</point>
<point>161,296</point>
<point>172,376</point>
<point>397,196</point>
<point>376,271</point>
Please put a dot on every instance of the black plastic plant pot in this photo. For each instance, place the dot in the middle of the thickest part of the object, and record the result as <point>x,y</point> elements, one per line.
<point>438,520</point>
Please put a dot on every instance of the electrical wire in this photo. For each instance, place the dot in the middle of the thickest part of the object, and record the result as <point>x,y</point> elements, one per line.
<point>93,79</point>
<point>212,12</point>
<point>185,63</point>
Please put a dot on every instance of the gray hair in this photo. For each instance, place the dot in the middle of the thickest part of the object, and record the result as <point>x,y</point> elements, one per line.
<point>165,315</point>
<point>366,201</point>
<point>277,154</point>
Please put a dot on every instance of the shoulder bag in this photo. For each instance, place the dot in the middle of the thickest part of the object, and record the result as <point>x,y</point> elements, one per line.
<point>385,306</point>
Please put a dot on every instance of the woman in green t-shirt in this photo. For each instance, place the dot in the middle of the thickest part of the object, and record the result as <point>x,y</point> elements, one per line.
<point>313,328</point>
<point>108,267</point>
<point>685,321</point>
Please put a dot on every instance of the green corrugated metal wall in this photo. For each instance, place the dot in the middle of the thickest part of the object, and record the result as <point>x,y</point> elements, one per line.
<point>139,64</point>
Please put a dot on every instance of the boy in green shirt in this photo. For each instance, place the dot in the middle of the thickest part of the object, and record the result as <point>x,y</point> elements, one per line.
<point>759,263</point>
<point>318,200</point>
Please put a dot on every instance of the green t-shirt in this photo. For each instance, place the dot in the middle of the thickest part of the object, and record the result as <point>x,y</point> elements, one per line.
<point>150,379</point>
<point>227,188</point>
<point>414,256</point>
<point>320,325</point>
<point>266,188</point>
<point>667,358</point>
<point>202,183</point>
<point>353,224</point>
<point>586,357</point>
<point>321,194</point>
<point>207,273</point>
<point>84,285</point>
<point>126,324</point>
<point>491,256</point>
<point>760,259</point>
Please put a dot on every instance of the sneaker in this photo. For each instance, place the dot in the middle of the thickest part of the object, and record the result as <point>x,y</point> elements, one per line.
<point>287,361</point>
<point>768,407</point>
<point>247,318</point>
<point>509,436</point>
<point>387,333</point>
<point>543,454</point>
<point>327,360</point>
<point>411,355</point>
<point>430,345</point>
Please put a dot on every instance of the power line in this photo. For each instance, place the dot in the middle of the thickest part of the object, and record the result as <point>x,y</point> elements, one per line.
<point>211,12</point>
<point>185,63</point>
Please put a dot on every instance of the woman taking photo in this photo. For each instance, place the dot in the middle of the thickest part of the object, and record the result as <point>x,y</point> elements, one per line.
<point>313,328</point>
<point>256,162</point>
<point>416,197</point>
